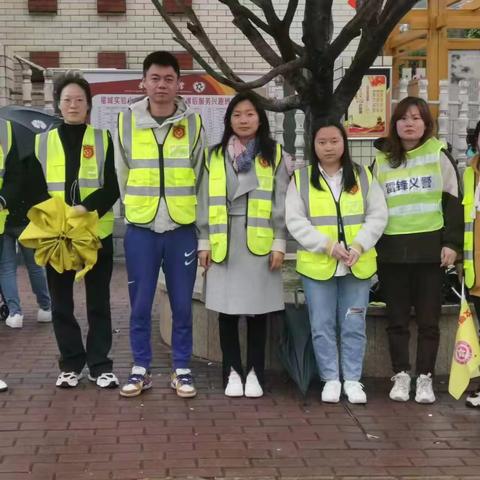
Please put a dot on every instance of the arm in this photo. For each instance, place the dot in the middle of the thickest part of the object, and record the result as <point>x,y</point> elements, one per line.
<point>103,199</point>
<point>300,226</point>
<point>451,205</point>
<point>202,211</point>
<point>376,218</point>
<point>13,178</point>
<point>281,182</point>
<point>198,157</point>
<point>121,165</point>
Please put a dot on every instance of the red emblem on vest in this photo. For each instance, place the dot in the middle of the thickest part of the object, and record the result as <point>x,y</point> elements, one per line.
<point>88,151</point>
<point>179,131</point>
<point>264,163</point>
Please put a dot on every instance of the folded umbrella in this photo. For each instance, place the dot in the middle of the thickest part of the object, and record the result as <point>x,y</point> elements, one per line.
<point>61,237</point>
<point>296,348</point>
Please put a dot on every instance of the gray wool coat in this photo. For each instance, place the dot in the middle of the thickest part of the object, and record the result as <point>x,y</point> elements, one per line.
<point>243,283</point>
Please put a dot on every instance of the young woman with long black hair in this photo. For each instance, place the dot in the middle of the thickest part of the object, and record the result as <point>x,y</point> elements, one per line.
<point>336,212</point>
<point>243,237</point>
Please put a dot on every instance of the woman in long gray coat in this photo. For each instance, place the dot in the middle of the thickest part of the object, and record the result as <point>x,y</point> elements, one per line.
<point>243,238</point>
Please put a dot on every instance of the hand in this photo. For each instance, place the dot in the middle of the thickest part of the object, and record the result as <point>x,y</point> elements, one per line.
<point>276,260</point>
<point>339,252</point>
<point>447,257</point>
<point>353,256</point>
<point>205,258</point>
<point>78,210</point>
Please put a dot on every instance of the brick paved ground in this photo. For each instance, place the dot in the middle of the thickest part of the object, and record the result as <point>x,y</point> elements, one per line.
<point>52,434</point>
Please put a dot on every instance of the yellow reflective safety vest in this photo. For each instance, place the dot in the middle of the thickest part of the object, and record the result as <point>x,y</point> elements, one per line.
<point>149,162</point>
<point>259,206</point>
<point>5,146</point>
<point>322,213</point>
<point>51,155</point>
<point>413,191</point>
<point>470,181</point>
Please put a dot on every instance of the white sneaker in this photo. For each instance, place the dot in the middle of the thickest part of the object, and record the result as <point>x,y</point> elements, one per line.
<point>253,389</point>
<point>15,321</point>
<point>473,399</point>
<point>424,390</point>
<point>3,386</point>
<point>234,386</point>
<point>68,379</point>
<point>105,380</point>
<point>354,391</point>
<point>44,316</point>
<point>331,391</point>
<point>400,391</point>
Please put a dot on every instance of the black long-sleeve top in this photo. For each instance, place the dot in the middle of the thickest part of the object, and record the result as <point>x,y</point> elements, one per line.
<point>11,196</point>
<point>71,137</point>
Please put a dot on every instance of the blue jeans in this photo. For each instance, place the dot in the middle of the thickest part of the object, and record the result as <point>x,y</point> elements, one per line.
<point>8,273</point>
<point>337,309</point>
<point>175,252</point>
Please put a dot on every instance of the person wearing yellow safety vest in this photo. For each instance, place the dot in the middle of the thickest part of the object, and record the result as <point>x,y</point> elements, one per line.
<point>471,248</point>
<point>243,238</point>
<point>159,158</point>
<point>423,236</point>
<point>76,163</point>
<point>336,211</point>
<point>8,163</point>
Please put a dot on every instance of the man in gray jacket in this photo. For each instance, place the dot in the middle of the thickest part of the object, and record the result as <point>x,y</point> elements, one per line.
<point>159,157</point>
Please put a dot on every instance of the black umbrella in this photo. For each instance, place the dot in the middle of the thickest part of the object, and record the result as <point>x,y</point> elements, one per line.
<point>296,349</point>
<point>26,123</point>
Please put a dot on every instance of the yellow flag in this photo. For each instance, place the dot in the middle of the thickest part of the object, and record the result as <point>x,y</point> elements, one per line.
<point>466,354</point>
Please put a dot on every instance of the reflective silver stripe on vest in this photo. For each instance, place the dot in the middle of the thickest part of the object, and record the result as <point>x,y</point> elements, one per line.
<point>56,187</point>
<point>469,227</point>
<point>42,152</point>
<point>260,195</point>
<point>216,200</point>
<point>179,191</point>
<point>221,228</point>
<point>353,219</point>
<point>99,156</point>
<point>176,163</point>
<point>144,163</point>
<point>305,187</point>
<point>258,222</point>
<point>327,220</point>
<point>142,191</point>
<point>192,130</point>
<point>364,185</point>
<point>333,220</point>
<point>89,183</point>
<point>468,255</point>
<point>127,136</point>
<point>153,191</point>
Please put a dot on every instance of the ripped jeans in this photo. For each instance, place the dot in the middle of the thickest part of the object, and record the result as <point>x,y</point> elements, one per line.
<point>337,309</point>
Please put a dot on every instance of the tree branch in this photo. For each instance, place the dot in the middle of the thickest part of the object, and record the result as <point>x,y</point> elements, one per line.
<point>370,45</point>
<point>238,9</point>
<point>242,20</point>
<point>290,13</point>
<point>353,28</point>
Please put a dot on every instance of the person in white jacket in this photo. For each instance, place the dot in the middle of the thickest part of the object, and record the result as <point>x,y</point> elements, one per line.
<point>336,211</point>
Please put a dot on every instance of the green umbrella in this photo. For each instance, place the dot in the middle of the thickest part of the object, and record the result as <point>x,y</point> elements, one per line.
<point>296,348</point>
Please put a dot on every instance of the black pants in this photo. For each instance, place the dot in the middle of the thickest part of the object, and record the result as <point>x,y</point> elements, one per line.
<point>419,285</point>
<point>73,355</point>
<point>230,344</point>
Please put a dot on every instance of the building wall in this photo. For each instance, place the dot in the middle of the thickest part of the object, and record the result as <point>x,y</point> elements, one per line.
<point>78,32</point>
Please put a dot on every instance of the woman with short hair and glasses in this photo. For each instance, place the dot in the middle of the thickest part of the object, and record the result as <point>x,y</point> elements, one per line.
<point>76,162</point>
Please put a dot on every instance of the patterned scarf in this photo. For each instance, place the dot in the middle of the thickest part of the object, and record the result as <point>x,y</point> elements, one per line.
<point>242,155</point>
